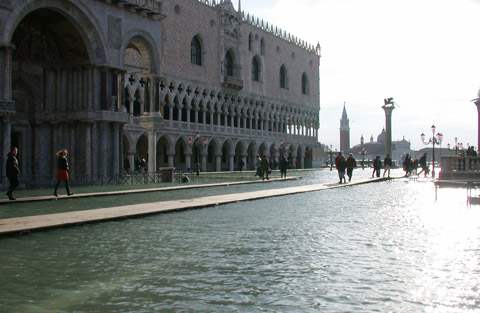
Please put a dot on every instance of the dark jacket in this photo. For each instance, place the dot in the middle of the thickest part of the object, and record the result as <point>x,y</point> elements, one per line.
<point>340,163</point>
<point>283,164</point>
<point>63,164</point>
<point>351,162</point>
<point>12,168</point>
<point>377,164</point>
<point>387,162</point>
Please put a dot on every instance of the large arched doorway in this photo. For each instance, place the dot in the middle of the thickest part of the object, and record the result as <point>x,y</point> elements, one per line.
<point>51,66</point>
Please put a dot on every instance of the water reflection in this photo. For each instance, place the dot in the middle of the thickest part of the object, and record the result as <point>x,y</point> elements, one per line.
<point>387,247</point>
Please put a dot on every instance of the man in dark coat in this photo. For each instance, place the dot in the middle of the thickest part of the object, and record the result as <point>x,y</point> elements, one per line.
<point>12,171</point>
<point>351,164</point>
<point>341,165</point>
<point>387,165</point>
<point>283,167</point>
<point>265,168</point>
<point>377,166</point>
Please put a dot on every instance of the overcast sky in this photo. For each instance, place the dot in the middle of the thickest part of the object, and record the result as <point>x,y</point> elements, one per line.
<point>424,53</point>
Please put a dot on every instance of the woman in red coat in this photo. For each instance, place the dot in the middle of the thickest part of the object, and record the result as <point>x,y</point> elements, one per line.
<point>63,169</point>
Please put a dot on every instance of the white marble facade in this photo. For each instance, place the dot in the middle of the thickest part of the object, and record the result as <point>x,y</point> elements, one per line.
<point>179,83</point>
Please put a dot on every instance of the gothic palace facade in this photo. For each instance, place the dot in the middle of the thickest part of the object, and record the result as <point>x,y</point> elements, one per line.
<point>177,82</point>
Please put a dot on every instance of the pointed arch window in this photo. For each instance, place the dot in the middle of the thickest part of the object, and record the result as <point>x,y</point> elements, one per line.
<point>283,77</point>
<point>305,84</point>
<point>196,51</point>
<point>256,69</point>
<point>229,63</point>
<point>250,42</point>
<point>262,46</point>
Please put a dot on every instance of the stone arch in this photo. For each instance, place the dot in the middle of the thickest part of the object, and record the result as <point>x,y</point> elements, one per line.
<point>127,147</point>
<point>145,44</point>
<point>240,152</point>
<point>164,151</point>
<point>180,161</point>
<point>213,152</point>
<point>251,156</point>
<point>77,14</point>
<point>141,156</point>
<point>308,157</point>
<point>300,157</point>
<point>227,160</point>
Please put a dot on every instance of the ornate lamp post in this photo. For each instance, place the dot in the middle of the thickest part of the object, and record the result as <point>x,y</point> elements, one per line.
<point>434,140</point>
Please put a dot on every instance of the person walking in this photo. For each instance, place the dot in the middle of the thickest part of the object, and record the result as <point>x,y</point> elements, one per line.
<point>265,168</point>
<point>377,167</point>
<point>341,165</point>
<point>258,166</point>
<point>12,172</point>
<point>351,164</point>
<point>423,164</point>
<point>387,165</point>
<point>283,167</point>
<point>406,165</point>
<point>63,171</point>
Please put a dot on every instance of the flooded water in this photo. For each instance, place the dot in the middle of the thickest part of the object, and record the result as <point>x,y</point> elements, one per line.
<point>387,247</point>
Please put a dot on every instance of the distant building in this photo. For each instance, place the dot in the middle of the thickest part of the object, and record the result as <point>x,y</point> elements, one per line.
<point>344,131</point>
<point>373,148</point>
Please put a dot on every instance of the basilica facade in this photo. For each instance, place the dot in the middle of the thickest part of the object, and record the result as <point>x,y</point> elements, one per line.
<point>179,83</point>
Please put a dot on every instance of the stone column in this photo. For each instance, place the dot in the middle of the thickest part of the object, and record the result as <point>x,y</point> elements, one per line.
<point>131,158</point>
<point>94,152</point>
<point>6,143</point>
<point>171,160</point>
<point>87,142</point>
<point>204,157</point>
<point>244,160</point>
<point>170,113</point>
<point>103,145</point>
<point>188,160</point>
<point>388,128</point>
<point>477,103</point>
<point>6,73</point>
<point>188,115</point>
<point>218,163</point>
<point>116,149</point>
<point>231,162</point>
<point>152,152</point>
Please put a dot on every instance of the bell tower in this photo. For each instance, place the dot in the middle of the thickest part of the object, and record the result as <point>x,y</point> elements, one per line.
<point>344,131</point>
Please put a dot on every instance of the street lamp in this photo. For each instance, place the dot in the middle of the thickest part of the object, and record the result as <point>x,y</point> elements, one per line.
<point>436,139</point>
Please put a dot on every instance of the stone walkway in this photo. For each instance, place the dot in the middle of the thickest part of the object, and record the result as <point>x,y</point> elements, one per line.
<point>137,191</point>
<point>42,222</point>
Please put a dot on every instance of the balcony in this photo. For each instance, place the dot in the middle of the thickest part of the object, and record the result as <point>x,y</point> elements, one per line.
<point>232,77</point>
